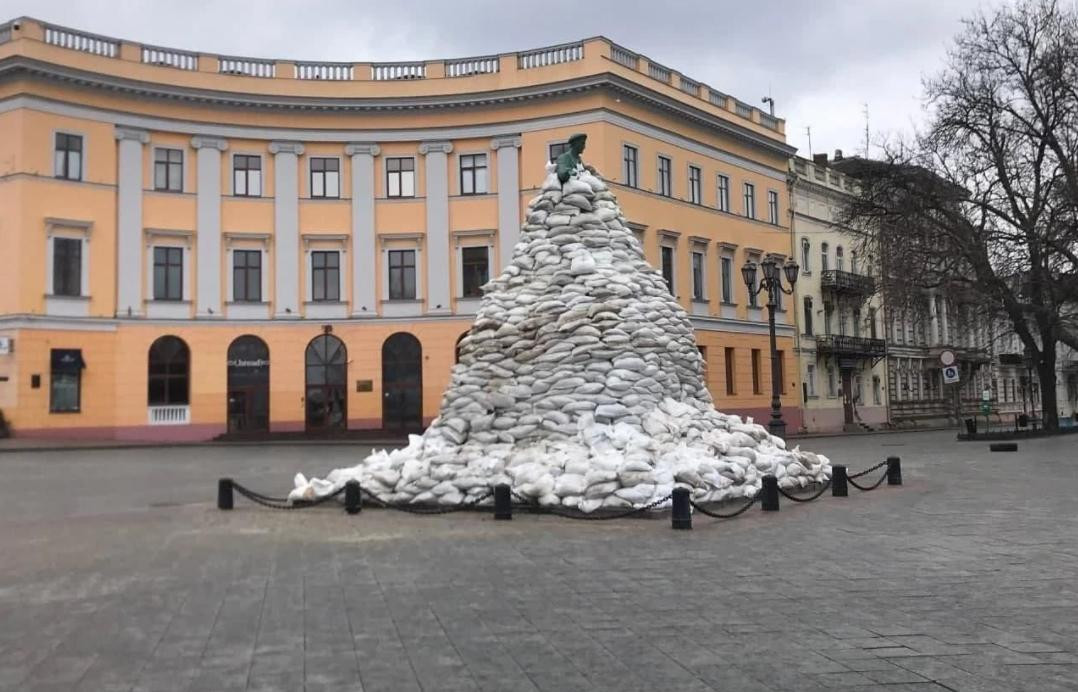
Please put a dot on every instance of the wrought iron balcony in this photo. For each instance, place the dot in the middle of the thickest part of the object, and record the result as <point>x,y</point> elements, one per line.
<point>842,345</point>
<point>847,282</point>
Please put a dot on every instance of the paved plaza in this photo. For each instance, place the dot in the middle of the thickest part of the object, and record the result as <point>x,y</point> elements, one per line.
<point>117,572</point>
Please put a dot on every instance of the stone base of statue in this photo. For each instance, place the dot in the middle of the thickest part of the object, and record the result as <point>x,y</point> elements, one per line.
<point>580,384</point>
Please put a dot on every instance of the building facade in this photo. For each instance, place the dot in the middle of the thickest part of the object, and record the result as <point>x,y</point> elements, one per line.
<point>840,345</point>
<point>197,244</point>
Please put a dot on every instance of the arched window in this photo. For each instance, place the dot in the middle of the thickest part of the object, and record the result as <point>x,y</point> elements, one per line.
<point>806,249</point>
<point>838,258</point>
<point>169,372</point>
<point>824,266</point>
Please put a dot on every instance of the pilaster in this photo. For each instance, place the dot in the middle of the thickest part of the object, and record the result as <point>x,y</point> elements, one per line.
<point>208,225</point>
<point>437,182</point>
<point>508,197</point>
<point>129,221</point>
<point>286,226</point>
<point>364,254</point>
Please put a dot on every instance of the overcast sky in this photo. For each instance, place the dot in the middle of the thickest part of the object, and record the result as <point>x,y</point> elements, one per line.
<point>820,60</point>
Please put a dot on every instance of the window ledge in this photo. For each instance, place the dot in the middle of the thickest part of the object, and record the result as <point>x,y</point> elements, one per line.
<point>402,301</point>
<point>67,299</point>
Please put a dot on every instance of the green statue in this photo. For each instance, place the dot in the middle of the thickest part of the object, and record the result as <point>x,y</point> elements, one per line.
<point>568,161</point>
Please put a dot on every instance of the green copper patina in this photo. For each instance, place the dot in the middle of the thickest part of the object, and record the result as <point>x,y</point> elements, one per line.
<point>568,161</point>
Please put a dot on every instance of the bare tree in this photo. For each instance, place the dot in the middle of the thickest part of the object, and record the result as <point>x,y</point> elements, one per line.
<point>984,201</point>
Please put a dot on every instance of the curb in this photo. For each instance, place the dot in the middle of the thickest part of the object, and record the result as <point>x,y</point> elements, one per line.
<point>87,447</point>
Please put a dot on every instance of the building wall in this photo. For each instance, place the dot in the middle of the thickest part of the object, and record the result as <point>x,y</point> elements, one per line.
<point>120,216</point>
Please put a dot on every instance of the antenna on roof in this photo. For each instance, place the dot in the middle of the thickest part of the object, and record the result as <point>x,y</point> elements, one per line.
<point>769,101</point>
<point>866,129</point>
<point>808,132</point>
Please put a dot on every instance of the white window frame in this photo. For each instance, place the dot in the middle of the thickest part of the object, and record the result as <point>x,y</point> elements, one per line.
<point>168,237</point>
<point>806,256</point>
<point>698,246</point>
<point>460,173</point>
<point>85,153</point>
<point>261,174</point>
<point>699,191</point>
<point>635,183</point>
<point>749,210</point>
<point>669,239</point>
<point>401,241</point>
<point>415,176</point>
<point>773,210</point>
<point>722,202</point>
<point>810,379</point>
<point>68,306</point>
<point>462,239</point>
<point>310,177</point>
<point>247,241</point>
<point>325,242</point>
<point>669,175</point>
<point>183,167</point>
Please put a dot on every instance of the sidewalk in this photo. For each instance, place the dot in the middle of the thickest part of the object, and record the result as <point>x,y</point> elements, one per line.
<point>15,444</point>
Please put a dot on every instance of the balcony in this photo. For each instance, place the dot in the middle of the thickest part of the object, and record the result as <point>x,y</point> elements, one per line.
<point>169,415</point>
<point>847,282</point>
<point>842,345</point>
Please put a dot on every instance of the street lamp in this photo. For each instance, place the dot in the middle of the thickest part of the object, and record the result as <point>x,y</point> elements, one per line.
<point>771,281</point>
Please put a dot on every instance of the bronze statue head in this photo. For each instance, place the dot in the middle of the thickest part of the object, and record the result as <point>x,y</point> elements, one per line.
<point>577,142</point>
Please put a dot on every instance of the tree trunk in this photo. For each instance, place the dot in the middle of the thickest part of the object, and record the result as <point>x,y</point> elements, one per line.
<point>1046,374</point>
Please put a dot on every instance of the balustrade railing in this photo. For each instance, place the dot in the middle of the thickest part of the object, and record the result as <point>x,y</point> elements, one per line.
<point>550,56</point>
<point>851,345</point>
<point>689,86</point>
<point>624,57</point>
<point>716,98</point>
<point>82,41</point>
<point>330,71</point>
<point>168,57</point>
<point>385,72</point>
<point>465,67</point>
<point>169,415</point>
<point>5,32</point>
<point>743,109</point>
<point>847,281</point>
<point>248,66</point>
<point>659,72</point>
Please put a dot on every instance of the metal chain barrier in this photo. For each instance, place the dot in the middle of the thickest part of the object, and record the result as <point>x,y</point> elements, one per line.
<point>282,502</point>
<point>867,471</point>
<point>718,515</point>
<point>795,498</point>
<point>557,511</point>
<point>866,488</point>
<point>413,509</point>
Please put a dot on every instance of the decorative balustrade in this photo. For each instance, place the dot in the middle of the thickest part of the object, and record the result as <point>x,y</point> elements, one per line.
<point>385,72</point>
<point>82,41</point>
<point>624,57</point>
<point>248,66</point>
<point>659,72</point>
<point>555,55</point>
<point>689,86</point>
<point>743,109</point>
<point>330,71</point>
<point>769,121</point>
<point>168,57</point>
<point>717,98</point>
<point>847,282</point>
<point>465,67</point>
<point>169,415</point>
<point>840,344</point>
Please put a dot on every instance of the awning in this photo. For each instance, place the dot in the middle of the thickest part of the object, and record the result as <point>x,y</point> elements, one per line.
<point>67,360</point>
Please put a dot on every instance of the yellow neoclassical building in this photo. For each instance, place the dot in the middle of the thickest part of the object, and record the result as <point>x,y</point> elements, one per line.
<point>196,244</point>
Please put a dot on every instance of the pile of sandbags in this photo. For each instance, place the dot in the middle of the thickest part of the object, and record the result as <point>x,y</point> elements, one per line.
<point>580,384</point>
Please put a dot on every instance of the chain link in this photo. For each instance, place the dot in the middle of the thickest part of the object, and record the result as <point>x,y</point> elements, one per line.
<point>867,471</point>
<point>413,509</point>
<point>812,497</point>
<point>557,511</point>
<point>282,502</point>
<point>866,488</point>
<point>718,515</point>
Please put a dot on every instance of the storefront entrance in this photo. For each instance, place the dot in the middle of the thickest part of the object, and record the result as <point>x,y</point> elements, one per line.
<point>402,382</point>
<point>248,386</point>
<point>326,365</point>
<point>847,396</point>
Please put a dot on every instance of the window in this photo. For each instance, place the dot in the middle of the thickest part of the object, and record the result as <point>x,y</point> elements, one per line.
<point>858,389</point>
<point>698,276</point>
<point>728,358</point>
<point>823,257</point>
<point>65,380</point>
<point>726,265</point>
<point>857,323</point>
<point>557,149</point>
<point>247,276</point>
<point>756,371</point>
<point>773,207</point>
<point>724,193</point>
<point>668,267</point>
<point>780,367</point>
<point>67,159</point>
<point>402,274</point>
<point>664,177</point>
<point>326,275</point>
<point>810,379</point>
<point>872,322</point>
<point>826,318</point>
<point>876,390</point>
<point>806,254</point>
<point>838,258</point>
<point>853,262</point>
<point>475,266</point>
<point>168,273</point>
<point>750,200</point>
<point>808,316</point>
<point>66,266</point>
<point>169,372</point>
<point>694,184</point>
<point>841,321</point>
<point>703,361</point>
<point>246,175</point>
<point>325,178</point>
<point>830,381</point>
<point>629,165</point>
<point>400,177</point>
<point>473,174</point>
<point>168,170</point>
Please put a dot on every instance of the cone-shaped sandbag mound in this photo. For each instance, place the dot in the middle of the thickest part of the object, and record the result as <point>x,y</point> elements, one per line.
<point>580,384</point>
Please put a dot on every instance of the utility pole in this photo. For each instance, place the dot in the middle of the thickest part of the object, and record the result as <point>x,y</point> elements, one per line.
<point>866,130</point>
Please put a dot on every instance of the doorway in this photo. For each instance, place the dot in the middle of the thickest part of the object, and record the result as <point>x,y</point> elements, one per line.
<point>326,365</point>
<point>402,382</point>
<point>847,395</point>
<point>248,386</point>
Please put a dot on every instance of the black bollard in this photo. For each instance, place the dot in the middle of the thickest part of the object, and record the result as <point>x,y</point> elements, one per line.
<point>353,498</point>
<point>894,471</point>
<point>839,485</point>
<point>1003,447</point>
<point>224,493</point>
<point>503,502</point>
<point>681,513</point>
<point>769,494</point>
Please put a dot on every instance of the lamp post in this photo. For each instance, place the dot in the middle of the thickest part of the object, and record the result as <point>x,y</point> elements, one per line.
<point>771,281</point>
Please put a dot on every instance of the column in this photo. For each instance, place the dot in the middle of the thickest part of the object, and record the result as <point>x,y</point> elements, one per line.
<point>508,198</point>
<point>208,225</point>
<point>933,321</point>
<point>437,174</point>
<point>129,222</point>
<point>945,328</point>
<point>286,226</point>
<point>364,248</point>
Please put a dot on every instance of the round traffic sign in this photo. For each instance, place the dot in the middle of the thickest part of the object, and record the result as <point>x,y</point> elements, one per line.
<point>947,357</point>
